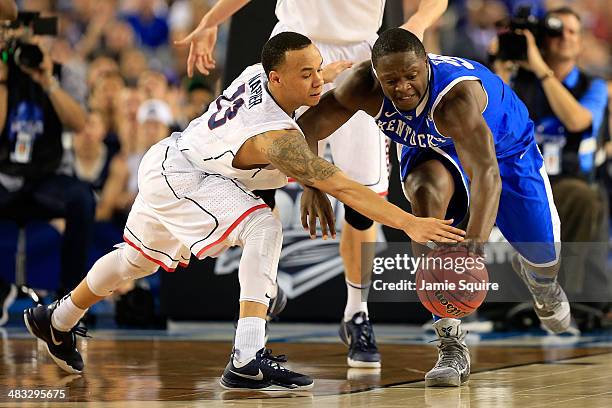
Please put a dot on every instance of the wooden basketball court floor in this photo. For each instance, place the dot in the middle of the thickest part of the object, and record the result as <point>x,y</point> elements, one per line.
<point>180,367</point>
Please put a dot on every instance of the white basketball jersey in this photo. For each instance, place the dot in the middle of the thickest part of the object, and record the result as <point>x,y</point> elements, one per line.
<point>243,110</point>
<point>332,21</point>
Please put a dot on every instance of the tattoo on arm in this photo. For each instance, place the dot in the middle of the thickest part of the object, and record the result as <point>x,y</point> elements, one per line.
<point>291,155</point>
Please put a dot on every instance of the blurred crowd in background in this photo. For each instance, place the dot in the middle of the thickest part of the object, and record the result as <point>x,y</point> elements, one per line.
<point>119,61</point>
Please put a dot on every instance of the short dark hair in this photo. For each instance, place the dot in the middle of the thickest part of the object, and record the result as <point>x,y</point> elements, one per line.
<point>564,11</point>
<point>273,52</point>
<point>397,40</point>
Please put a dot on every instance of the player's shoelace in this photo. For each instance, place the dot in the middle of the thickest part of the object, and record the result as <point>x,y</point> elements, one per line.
<point>365,341</point>
<point>274,361</point>
<point>80,331</point>
<point>452,351</point>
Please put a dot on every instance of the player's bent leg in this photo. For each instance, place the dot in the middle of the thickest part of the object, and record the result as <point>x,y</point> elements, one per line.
<point>430,188</point>
<point>251,365</point>
<point>537,238</point>
<point>56,324</point>
<point>355,327</point>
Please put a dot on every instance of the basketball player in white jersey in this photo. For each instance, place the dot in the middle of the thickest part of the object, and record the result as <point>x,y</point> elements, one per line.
<point>195,197</point>
<point>342,30</point>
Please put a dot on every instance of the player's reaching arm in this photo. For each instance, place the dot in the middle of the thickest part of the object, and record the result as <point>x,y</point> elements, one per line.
<point>359,91</point>
<point>459,116</point>
<point>428,12</point>
<point>287,151</point>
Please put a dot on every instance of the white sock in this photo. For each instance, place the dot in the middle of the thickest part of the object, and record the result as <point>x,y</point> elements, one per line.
<point>250,338</point>
<point>66,315</point>
<point>354,303</point>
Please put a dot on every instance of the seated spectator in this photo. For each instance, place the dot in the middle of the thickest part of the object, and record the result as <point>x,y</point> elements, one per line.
<point>102,97</point>
<point>153,85</point>
<point>92,157</point>
<point>153,118</point>
<point>199,96</point>
<point>125,120</point>
<point>118,37</point>
<point>100,67</point>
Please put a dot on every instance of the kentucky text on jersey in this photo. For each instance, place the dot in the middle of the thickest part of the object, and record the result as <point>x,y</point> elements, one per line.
<point>504,113</point>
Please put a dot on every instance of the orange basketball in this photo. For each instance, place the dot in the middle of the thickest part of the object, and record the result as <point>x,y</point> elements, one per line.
<point>452,283</point>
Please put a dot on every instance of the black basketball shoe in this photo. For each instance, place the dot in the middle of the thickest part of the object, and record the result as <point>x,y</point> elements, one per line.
<point>60,345</point>
<point>264,372</point>
<point>358,335</point>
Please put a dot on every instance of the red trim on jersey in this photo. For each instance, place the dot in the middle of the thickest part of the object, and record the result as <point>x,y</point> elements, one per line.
<point>183,265</point>
<point>158,262</point>
<point>291,180</point>
<point>383,194</point>
<point>231,228</point>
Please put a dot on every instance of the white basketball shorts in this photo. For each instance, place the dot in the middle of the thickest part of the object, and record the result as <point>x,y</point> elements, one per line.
<point>181,210</point>
<point>358,148</point>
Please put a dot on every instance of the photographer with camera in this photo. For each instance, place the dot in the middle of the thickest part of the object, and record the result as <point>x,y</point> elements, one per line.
<point>568,108</point>
<point>34,111</point>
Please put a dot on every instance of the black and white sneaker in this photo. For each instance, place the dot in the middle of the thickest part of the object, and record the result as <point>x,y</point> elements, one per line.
<point>8,294</point>
<point>60,345</point>
<point>358,335</point>
<point>453,366</point>
<point>264,372</point>
<point>549,299</point>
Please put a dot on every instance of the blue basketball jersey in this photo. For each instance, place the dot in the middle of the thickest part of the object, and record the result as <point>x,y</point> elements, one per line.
<point>505,114</point>
<point>526,215</point>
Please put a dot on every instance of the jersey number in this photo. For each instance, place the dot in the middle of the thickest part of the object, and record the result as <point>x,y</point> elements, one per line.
<point>456,61</point>
<point>230,112</point>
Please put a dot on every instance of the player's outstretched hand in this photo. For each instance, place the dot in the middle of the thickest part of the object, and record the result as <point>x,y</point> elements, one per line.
<point>331,71</point>
<point>432,229</point>
<point>315,204</point>
<point>201,42</point>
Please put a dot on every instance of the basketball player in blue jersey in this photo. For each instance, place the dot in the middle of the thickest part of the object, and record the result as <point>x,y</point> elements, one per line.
<point>466,143</point>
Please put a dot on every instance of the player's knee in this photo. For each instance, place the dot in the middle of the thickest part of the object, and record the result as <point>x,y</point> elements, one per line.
<point>427,188</point>
<point>116,267</point>
<point>135,265</point>
<point>356,220</point>
<point>262,240</point>
<point>261,223</point>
